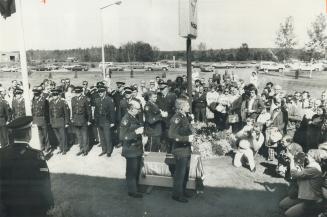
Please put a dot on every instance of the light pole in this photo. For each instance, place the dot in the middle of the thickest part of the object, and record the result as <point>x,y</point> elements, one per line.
<point>102,40</point>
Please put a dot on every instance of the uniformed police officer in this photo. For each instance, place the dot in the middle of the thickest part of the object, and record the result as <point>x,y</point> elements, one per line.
<point>59,119</point>
<point>122,108</point>
<point>18,104</point>
<point>153,126</point>
<point>104,115</point>
<point>180,132</point>
<point>40,113</point>
<point>4,118</point>
<point>131,130</point>
<point>25,188</point>
<point>81,119</point>
<point>166,102</point>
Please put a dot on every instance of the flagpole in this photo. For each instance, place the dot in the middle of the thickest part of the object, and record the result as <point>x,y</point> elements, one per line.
<point>23,62</point>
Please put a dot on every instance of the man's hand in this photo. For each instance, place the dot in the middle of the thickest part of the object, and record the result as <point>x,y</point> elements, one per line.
<point>112,125</point>
<point>66,125</point>
<point>164,113</point>
<point>139,130</point>
<point>88,123</point>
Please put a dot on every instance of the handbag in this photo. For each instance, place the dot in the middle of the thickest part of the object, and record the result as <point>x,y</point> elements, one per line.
<point>233,118</point>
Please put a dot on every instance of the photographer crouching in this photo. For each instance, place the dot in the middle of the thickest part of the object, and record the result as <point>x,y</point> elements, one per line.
<point>250,141</point>
<point>306,172</point>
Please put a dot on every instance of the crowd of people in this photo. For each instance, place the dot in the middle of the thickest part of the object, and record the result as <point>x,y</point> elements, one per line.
<point>289,128</point>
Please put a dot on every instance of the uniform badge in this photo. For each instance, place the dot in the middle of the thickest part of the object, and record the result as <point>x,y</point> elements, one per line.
<point>177,120</point>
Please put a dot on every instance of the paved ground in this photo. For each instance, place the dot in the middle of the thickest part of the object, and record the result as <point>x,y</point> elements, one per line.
<point>95,186</point>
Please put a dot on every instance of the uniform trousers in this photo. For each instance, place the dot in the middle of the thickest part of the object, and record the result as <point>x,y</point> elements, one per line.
<point>153,144</point>
<point>181,174</point>
<point>60,133</point>
<point>200,114</point>
<point>3,136</point>
<point>82,138</point>
<point>133,168</point>
<point>105,138</point>
<point>44,137</point>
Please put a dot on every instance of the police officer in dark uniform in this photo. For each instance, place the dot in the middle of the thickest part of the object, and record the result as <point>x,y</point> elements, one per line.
<point>131,130</point>
<point>59,119</point>
<point>166,102</point>
<point>180,132</point>
<point>122,108</point>
<point>18,104</point>
<point>104,115</point>
<point>25,188</point>
<point>4,118</point>
<point>81,119</point>
<point>40,113</point>
<point>153,126</point>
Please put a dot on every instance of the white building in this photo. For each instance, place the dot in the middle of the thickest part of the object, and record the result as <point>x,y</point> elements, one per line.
<point>7,57</point>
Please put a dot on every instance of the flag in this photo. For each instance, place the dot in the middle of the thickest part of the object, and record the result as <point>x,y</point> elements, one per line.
<point>7,8</point>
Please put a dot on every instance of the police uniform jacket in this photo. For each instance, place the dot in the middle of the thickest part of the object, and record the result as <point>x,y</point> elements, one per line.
<point>132,143</point>
<point>179,131</point>
<point>153,119</point>
<point>167,103</point>
<point>18,108</point>
<point>81,111</point>
<point>40,111</point>
<point>4,112</point>
<point>104,111</point>
<point>24,179</point>
<point>59,113</point>
<point>122,109</point>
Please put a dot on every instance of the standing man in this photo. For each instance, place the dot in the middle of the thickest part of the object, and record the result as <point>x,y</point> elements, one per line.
<point>18,104</point>
<point>122,108</point>
<point>200,105</point>
<point>81,119</point>
<point>180,132</point>
<point>40,114</point>
<point>104,115</point>
<point>153,126</point>
<point>131,130</point>
<point>166,102</point>
<point>4,119</point>
<point>59,119</point>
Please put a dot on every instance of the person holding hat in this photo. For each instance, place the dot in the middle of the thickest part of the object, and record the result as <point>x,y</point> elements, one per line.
<point>59,119</point>
<point>4,119</point>
<point>131,130</point>
<point>104,116</point>
<point>18,104</point>
<point>25,188</point>
<point>81,119</point>
<point>180,132</point>
<point>166,102</point>
<point>40,114</point>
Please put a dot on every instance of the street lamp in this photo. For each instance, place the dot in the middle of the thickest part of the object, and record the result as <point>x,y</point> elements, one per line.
<point>102,40</point>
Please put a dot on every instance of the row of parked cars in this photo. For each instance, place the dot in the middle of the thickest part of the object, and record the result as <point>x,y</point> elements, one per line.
<point>265,66</point>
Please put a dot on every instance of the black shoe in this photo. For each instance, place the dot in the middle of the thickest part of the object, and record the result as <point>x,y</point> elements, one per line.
<point>188,195</point>
<point>59,152</point>
<point>79,153</point>
<point>108,155</point>
<point>64,153</point>
<point>254,169</point>
<point>135,195</point>
<point>84,153</point>
<point>180,199</point>
<point>102,153</point>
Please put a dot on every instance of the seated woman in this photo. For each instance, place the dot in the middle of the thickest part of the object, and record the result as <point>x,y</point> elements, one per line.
<point>309,180</point>
<point>250,141</point>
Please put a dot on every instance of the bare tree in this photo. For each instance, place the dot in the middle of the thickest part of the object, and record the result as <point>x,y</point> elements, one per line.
<point>286,38</point>
<point>202,46</point>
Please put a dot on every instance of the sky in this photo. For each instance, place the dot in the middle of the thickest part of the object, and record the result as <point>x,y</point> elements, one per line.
<point>64,24</point>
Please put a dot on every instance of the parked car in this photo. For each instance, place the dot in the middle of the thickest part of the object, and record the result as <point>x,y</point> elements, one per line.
<point>79,68</point>
<point>9,69</point>
<point>53,67</point>
<point>116,68</point>
<point>222,65</point>
<point>157,67</point>
<point>207,69</point>
<point>271,66</point>
<point>42,68</point>
<point>106,64</point>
